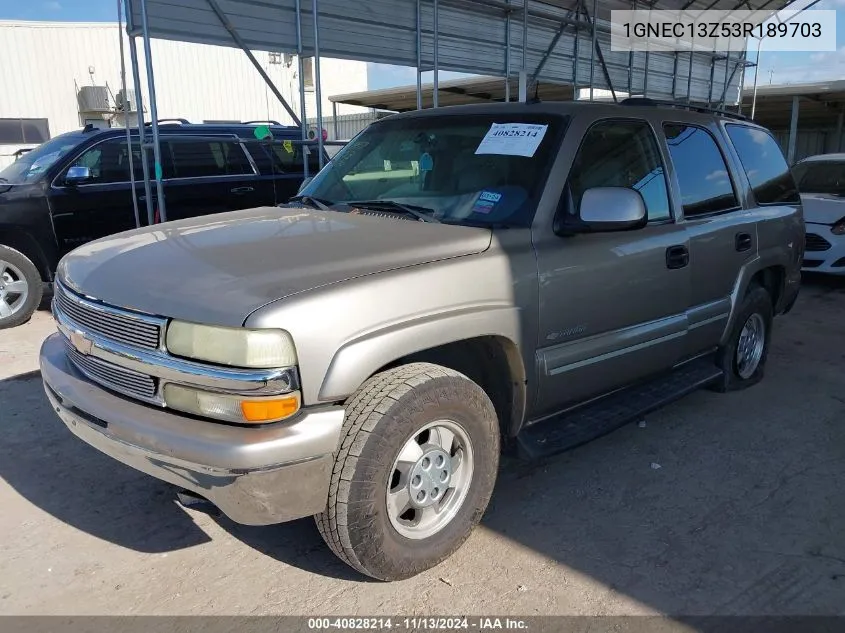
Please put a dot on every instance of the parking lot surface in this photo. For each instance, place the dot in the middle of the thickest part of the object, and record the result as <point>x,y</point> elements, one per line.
<point>719,505</point>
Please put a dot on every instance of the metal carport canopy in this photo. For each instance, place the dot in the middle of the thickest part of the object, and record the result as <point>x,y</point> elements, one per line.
<point>481,37</point>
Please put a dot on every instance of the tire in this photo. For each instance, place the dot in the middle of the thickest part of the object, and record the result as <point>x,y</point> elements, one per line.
<point>20,288</point>
<point>756,308</point>
<point>383,418</point>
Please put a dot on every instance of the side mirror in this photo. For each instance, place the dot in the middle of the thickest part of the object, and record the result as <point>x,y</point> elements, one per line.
<point>605,209</point>
<point>76,175</point>
<point>305,184</point>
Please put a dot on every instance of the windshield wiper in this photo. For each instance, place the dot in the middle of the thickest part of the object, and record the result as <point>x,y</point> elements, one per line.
<point>420,213</point>
<point>323,205</point>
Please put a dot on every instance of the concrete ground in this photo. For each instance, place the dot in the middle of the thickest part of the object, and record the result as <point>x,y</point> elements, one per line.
<point>722,504</point>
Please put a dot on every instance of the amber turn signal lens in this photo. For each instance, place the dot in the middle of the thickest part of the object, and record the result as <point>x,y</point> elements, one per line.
<point>265,410</point>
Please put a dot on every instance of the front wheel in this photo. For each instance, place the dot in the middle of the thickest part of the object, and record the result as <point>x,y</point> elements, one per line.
<point>415,471</point>
<point>20,288</point>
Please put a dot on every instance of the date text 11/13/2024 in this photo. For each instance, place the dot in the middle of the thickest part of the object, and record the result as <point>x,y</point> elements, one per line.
<point>418,623</point>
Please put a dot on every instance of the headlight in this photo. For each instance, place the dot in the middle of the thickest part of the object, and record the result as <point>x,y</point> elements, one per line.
<point>237,347</point>
<point>231,408</point>
<point>838,228</point>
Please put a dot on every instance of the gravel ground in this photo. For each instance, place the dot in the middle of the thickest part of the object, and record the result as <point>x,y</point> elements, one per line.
<point>744,514</point>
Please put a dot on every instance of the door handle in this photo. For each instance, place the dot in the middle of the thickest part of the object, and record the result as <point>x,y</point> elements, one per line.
<point>240,190</point>
<point>743,242</point>
<point>677,257</point>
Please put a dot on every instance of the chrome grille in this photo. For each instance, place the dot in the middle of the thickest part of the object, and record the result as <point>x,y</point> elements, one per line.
<point>126,381</point>
<point>108,323</point>
<point>813,242</point>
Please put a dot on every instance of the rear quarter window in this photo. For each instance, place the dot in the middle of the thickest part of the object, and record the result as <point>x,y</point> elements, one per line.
<point>764,165</point>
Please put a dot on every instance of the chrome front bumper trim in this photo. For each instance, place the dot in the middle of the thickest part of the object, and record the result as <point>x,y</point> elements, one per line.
<point>256,476</point>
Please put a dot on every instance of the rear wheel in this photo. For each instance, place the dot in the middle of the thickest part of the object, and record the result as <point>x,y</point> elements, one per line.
<point>415,471</point>
<point>743,357</point>
<point>20,288</point>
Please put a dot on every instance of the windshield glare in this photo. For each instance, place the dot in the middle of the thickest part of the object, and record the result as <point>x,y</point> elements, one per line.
<point>821,177</point>
<point>29,167</point>
<point>439,163</point>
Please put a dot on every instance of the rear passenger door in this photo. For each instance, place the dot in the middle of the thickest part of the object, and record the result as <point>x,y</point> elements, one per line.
<point>721,233</point>
<point>612,305</point>
<point>206,175</point>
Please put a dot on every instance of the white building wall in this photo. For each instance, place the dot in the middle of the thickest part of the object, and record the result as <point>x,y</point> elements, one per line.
<point>42,60</point>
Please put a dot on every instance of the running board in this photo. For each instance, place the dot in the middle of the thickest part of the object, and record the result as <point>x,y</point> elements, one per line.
<point>590,421</point>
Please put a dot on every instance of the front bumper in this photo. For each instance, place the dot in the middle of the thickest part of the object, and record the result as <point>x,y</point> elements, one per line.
<point>832,260</point>
<point>255,476</point>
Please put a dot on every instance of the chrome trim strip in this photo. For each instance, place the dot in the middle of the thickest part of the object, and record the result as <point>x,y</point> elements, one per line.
<point>614,354</point>
<point>170,369</point>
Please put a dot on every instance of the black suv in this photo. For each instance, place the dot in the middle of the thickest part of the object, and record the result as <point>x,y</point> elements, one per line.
<point>47,210</point>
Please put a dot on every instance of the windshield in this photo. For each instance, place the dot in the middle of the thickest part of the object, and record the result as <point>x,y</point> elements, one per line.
<point>29,167</point>
<point>821,177</point>
<point>470,169</point>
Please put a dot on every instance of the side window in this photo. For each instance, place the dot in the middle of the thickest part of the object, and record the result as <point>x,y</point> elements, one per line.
<point>702,172</point>
<point>621,154</point>
<point>198,159</point>
<point>287,157</point>
<point>108,162</point>
<point>764,164</point>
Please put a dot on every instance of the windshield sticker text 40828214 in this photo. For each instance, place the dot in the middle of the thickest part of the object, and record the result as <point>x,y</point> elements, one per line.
<point>512,139</point>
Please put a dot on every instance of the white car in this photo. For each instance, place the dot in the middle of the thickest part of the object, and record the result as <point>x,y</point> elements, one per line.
<point>821,181</point>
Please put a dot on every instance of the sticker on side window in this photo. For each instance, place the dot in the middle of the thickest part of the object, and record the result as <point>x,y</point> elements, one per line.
<point>512,139</point>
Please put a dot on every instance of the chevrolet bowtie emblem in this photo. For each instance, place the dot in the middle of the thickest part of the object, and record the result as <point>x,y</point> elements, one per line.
<point>81,343</point>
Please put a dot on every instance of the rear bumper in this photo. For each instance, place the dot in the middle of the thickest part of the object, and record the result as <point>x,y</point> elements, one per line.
<point>255,476</point>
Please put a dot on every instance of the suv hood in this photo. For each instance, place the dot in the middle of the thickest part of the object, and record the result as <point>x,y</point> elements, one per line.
<point>821,208</point>
<point>219,269</point>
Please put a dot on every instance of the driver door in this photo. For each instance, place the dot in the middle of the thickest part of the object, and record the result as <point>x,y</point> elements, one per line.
<point>612,305</point>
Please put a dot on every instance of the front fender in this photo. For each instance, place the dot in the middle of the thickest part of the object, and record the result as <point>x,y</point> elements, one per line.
<point>361,358</point>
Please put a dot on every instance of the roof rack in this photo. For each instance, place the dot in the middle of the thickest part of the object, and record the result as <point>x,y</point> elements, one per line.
<point>644,101</point>
<point>270,121</point>
<point>180,121</point>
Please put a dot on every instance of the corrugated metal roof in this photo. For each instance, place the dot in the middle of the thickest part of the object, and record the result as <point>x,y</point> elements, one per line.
<point>472,36</point>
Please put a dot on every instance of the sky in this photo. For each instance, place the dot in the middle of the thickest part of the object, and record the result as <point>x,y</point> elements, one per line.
<point>774,67</point>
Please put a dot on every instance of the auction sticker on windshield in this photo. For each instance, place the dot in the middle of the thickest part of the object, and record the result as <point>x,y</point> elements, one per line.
<point>512,139</point>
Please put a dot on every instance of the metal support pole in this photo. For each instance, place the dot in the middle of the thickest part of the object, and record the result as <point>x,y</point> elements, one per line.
<point>419,55</point>
<point>318,91</point>
<point>793,130</point>
<point>126,110</point>
<point>689,77</point>
<point>151,88</point>
<point>837,145</point>
<point>744,64</point>
<point>756,72</point>
<point>710,86</point>
<point>334,119</point>
<point>631,60</point>
<point>242,45</point>
<point>507,54</point>
<point>599,54</point>
<point>300,71</point>
<point>674,75</point>
<point>593,49</point>
<point>727,80</point>
<point>576,55</point>
<point>142,134</point>
<point>435,89</point>
<point>523,73</point>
